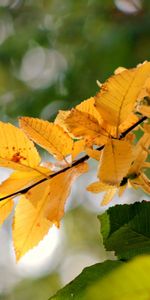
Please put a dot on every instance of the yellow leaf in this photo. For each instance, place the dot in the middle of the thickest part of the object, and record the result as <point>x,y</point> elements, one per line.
<point>84,125</point>
<point>140,152</point>
<point>144,110</point>
<point>145,90</point>
<point>61,117</point>
<point>119,70</point>
<point>51,195</point>
<point>115,161</point>
<point>93,153</point>
<point>78,147</point>
<point>116,100</point>
<point>16,150</point>
<point>29,226</point>
<point>141,182</point>
<point>18,180</point>
<point>108,196</point>
<point>48,135</point>
<point>88,106</point>
<point>6,207</point>
<point>121,189</point>
<point>98,187</point>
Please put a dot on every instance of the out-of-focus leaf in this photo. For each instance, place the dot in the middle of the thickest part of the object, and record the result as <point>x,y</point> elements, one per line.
<point>78,287</point>
<point>129,282</point>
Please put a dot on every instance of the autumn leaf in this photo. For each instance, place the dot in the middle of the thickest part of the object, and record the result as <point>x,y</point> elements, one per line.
<point>117,97</point>
<point>144,110</point>
<point>78,147</point>
<point>54,192</point>
<point>6,207</point>
<point>98,187</point>
<point>140,152</point>
<point>93,153</point>
<point>41,207</point>
<point>29,226</point>
<point>115,162</point>
<point>84,125</point>
<point>16,150</point>
<point>88,106</point>
<point>141,181</point>
<point>18,180</point>
<point>50,136</point>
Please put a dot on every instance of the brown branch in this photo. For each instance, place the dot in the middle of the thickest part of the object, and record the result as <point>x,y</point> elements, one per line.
<point>75,163</point>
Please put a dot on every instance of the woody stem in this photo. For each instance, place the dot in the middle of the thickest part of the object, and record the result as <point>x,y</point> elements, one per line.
<point>75,163</point>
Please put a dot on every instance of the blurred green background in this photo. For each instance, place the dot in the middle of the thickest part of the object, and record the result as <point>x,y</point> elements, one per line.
<point>51,54</point>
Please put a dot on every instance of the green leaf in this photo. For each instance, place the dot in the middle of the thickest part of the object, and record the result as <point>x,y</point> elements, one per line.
<point>77,288</point>
<point>126,229</point>
<point>129,282</point>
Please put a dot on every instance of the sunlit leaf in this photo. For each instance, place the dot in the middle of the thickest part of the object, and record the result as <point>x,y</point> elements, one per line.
<point>29,226</point>
<point>16,150</point>
<point>50,136</point>
<point>51,195</point>
<point>17,180</point>
<point>84,125</point>
<point>6,207</point>
<point>116,100</point>
<point>115,161</point>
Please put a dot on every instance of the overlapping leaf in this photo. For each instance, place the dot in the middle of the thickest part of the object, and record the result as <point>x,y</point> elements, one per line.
<point>6,207</point>
<point>29,226</point>
<point>50,136</point>
<point>54,192</point>
<point>42,206</point>
<point>115,161</point>
<point>116,100</point>
<point>16,150</point>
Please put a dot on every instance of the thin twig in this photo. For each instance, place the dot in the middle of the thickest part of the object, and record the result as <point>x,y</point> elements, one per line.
<point>75,163</point>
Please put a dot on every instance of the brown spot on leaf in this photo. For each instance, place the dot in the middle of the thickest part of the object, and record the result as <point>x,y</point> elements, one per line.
<point>17,157</point>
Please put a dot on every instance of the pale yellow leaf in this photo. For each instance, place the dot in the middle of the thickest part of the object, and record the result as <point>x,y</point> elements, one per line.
<point>116,100</point>
<point>29,226</point>
<point>121,189</point>
<point>50,136</point>
<point>119,70</point>
<point>108,196</point>
<point>51,195</point>
<point>6,207</point>
<point>142,181</point>
<point>16,150</point>
<point>115,161</point>
<point>98,187</point>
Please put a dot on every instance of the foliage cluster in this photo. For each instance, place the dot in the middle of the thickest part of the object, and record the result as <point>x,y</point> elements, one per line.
<point>100,128</point>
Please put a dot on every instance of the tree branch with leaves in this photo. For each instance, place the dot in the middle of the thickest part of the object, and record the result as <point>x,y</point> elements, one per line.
<point>100,128</point>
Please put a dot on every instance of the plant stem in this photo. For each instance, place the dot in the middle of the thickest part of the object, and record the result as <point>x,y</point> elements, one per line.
<point>75,163</point>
